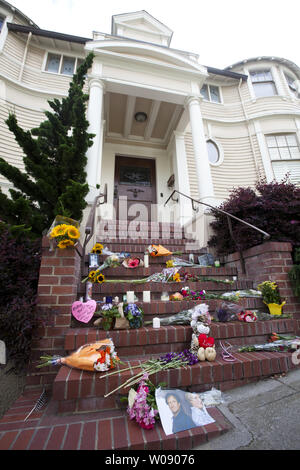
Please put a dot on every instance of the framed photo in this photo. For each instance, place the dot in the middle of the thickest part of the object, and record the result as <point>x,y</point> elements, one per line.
<point>93,260</point>
<point>180,410</point>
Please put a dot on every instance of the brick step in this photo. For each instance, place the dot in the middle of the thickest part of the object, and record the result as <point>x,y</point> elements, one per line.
<point>102,430</point>
<point>174,338</point>
<point>140,248</point>
<point>161,309</point>
<point>161,260</point>
<point>156,288</point>
<point>73,389</point>
<point>136,273</point>
<point>145,241</point>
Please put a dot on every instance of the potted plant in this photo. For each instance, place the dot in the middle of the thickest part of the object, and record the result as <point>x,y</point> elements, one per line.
<point>109,313</point>
<point>271,297</point>
<point>134,315</point>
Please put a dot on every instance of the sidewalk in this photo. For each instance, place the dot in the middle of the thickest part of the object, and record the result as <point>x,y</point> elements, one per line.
<point>264,416</point>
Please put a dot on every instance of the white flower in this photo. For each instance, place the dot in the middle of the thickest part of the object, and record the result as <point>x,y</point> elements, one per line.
<point>195,315</point>
<point>193,323</point>
<point>131,397</point>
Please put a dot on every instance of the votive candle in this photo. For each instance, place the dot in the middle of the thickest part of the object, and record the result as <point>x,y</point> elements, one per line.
<point>156,322</point>
<point>146,261</point>
<point>146,296</point>
<point>130,296</point>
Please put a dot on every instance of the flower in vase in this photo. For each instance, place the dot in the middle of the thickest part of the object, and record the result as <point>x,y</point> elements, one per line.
<point>64,243</point>
<point>59,230</point>
<point>100,278</point>
<point>73,232</point>
<point>97,248</point>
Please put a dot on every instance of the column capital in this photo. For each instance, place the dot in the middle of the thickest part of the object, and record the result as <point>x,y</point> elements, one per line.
<point>95,81</point>
<point>179,135</point>
<point>193,99</point>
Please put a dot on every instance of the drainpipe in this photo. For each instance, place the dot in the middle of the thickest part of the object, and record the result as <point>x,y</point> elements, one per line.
<point>25,56</point>
<point>249,133</point>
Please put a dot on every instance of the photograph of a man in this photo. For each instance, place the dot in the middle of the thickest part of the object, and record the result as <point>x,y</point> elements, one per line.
<point>180,410</point>
<point>181,421</point>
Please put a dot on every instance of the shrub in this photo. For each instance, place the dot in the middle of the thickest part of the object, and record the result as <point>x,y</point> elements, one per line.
<point>272,207</point>
<point>19,271</point>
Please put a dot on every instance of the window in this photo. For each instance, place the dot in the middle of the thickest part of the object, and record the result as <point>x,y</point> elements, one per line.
<point>2,19</point>
<point>65,65</point>
<point>263,83</point>
<point>290,81</point>
<point>284,152</point>
<point>211,93</point>
<point>215,152</point>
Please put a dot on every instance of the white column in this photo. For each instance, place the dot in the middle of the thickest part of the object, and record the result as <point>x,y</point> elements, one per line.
<point>182,177</point>
<point>204,178</point>
<point>94,153</point>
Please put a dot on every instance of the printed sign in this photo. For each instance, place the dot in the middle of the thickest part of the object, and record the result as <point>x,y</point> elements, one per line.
<point>84,311</point>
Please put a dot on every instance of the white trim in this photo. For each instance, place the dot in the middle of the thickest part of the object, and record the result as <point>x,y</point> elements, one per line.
<point>220,150</point>
<point>264,152</point>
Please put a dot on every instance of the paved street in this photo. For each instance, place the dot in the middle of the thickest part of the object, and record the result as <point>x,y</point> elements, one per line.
<point>265,416</point>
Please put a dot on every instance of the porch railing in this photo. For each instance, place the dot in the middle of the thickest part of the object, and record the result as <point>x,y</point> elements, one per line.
<point>228,216</point>
<point>90,223</point>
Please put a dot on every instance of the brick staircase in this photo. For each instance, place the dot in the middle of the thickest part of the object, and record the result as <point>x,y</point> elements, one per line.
<point>77,401</point>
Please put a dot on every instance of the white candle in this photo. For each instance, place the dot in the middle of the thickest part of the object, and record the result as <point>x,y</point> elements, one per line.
<point>156,322</point>
<point>146,296</point>
<point>130,296</point>
<point>116,300</point>
<point>164,296</point>
<point>146,261</point>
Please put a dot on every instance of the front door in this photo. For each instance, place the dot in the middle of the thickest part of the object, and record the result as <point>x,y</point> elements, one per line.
<point>135,188</point>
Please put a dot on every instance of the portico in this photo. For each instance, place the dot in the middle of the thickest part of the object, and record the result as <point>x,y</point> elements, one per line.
<point>164,85</point>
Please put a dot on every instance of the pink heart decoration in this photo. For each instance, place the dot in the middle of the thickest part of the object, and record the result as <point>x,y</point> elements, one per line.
<point>84,311</point>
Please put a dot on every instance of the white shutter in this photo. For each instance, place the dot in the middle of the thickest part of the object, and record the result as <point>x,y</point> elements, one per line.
<point>284,167</point>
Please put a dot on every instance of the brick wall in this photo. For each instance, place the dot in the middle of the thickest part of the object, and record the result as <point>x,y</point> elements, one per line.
<point>270,261</point>
<point>57,290</point>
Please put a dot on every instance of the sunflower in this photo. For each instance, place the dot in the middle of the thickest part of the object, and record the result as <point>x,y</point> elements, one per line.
<point>100,278</point>
<point>73,232</point>
<point>97,248</point>
<point>64,243</point>
<point>92,275</point>
<point>59,230</point>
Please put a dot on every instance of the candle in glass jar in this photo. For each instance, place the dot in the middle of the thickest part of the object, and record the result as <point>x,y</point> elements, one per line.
<point>146,261</point>
<point>130,296</point>
<point>156,322</point>
<point>146,296</point>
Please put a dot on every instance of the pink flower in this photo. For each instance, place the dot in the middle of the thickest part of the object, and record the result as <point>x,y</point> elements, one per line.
<point>133,263</point>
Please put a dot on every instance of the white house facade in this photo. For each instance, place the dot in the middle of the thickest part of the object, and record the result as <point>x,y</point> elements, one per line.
<point>162,120</point>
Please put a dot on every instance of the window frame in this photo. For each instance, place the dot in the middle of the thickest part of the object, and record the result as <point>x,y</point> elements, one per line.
<point>290,159</point>
<point>209,100</point>
<point>287,74</point>
<point>62,55</point>
<point>220,151</point>
<point>263,69</point>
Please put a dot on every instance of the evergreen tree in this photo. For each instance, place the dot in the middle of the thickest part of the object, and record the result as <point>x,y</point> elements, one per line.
<point>54,181</point>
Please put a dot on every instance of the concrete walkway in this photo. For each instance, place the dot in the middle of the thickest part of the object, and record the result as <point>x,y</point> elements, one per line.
<point>265,416</point>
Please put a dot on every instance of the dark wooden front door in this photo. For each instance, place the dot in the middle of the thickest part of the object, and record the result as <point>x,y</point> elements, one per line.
<point>135,188</point>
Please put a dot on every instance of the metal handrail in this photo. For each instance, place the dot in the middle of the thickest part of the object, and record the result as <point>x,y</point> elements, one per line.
<point>89,227</point>
<point>229,217</point>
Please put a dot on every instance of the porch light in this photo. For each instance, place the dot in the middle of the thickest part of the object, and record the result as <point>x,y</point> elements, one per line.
<point>140,116</point>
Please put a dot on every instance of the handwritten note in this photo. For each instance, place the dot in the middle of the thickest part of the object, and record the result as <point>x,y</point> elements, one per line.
<point>84,311</point>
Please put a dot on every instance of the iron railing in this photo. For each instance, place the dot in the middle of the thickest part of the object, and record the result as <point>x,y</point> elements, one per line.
<point>228,216</point>
<point>90,223</point>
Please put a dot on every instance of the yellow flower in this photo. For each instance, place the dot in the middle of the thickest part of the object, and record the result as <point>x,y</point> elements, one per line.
<point>73,232</point>
<point>176,277</point>
<point>100,278</point>
<point>170,263</point>
<point>59,230</point>
<point>92,275</point>
<point>64,243</point>
<point>97,248</point>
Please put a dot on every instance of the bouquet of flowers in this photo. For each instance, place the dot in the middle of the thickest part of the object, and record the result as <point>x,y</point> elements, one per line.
<point>99,356</point>
<point>280,345</point>
<point>152,366</point>
<point>65,234</point>
<point>142,404</point>
<point>134,315</point>
<point>270,292</point>
<point>132,262</point>
<point>159,250</point>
